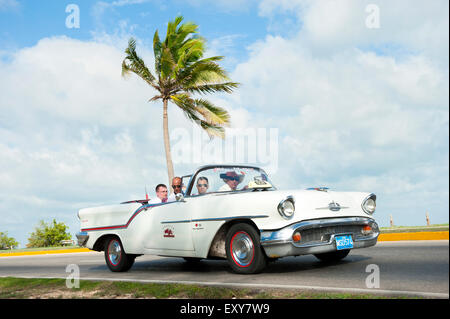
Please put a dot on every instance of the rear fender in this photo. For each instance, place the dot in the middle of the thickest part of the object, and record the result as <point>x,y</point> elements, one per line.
<point>99,244</point>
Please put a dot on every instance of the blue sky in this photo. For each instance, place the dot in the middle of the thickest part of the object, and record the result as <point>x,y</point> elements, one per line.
<point>24,23</point>
<point>355,108</point>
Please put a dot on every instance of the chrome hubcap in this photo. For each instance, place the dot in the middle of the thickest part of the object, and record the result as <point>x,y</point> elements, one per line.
<point>114,252</point>
<point>242,249</point>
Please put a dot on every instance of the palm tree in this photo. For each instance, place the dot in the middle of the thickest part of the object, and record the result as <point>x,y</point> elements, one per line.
<point>180,73</point>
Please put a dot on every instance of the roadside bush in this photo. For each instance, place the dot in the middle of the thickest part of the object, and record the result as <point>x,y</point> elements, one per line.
<point>7,242</point>
<point>48,235</point>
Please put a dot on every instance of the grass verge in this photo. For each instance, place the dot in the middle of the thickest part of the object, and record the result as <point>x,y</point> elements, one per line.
<point>412,229</point>
<point>20,288</point>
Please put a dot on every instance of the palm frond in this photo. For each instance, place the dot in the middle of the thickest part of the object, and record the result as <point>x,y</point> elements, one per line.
<point>156,97</point>
<point>204,72</point>
<point>190,52</point>
<point>183,32</point>
<point>212,130</point>
<point>168,64</point>
<point>212,88</point>
<point>157,49</point>
<point>133,63</point>
<point>212,114</point>
<point>209,117</point>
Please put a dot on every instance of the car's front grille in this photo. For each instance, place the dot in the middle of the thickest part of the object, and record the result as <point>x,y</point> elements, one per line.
<point>323,234</point>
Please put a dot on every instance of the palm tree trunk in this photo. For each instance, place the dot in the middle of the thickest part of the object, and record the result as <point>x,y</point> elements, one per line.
<point>167,145</point>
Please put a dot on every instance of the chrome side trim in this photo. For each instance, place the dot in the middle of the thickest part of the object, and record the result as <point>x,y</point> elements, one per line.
<point>176,221</point>
<point>212,219</point>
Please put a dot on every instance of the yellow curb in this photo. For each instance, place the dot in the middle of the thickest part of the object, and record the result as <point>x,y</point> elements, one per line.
<point>438,235</point>
<point>46,252</point>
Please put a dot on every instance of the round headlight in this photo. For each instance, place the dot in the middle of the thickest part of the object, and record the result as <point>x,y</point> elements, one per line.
<point>369,204</point>
<point>286,208</point>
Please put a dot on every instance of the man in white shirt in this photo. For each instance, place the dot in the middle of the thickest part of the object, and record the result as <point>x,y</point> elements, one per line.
<point>232,180</point>
<point>161,195</point>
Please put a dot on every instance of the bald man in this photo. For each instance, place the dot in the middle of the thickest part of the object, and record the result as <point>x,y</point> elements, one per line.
<point>176,186</point>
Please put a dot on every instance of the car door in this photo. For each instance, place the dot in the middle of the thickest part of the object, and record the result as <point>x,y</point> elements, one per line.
<point>171,227</point>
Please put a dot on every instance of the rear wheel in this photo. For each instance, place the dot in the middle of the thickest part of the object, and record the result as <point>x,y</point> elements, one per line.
<point>243,248</point>
<point>333,255</point>
<point>116,258</point>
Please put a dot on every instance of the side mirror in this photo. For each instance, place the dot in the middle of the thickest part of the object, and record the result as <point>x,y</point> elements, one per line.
<point>179,197</point>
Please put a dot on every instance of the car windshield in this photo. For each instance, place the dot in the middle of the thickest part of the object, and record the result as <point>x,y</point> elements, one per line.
<point>229,179</point>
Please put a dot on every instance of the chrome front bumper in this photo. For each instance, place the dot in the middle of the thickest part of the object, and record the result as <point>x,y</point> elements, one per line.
<point>82,238</point>
<point>318,236</point>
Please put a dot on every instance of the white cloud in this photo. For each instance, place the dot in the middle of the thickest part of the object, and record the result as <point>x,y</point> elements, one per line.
<point>6,5</point>
<point>74,133</point>
<point>355,114</point>
<point>328,26</point>
<point>74,80</point>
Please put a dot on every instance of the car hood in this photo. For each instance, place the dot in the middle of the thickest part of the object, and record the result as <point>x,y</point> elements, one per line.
<point>309,204</point>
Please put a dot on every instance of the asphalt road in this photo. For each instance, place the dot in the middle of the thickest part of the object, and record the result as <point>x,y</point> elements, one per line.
<point>416,268</point>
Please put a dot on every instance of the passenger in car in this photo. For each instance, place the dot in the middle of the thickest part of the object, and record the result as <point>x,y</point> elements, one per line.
<point>232,180</point>
<point>202,185</point>
<point>176,185</point>
<point>161,194</point>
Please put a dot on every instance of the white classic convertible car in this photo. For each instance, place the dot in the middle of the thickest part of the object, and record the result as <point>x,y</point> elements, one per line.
<point>236,213</point>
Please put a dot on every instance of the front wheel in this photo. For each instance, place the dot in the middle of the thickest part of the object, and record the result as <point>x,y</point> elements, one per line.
<point>116,258</point>
<point>244,251</point>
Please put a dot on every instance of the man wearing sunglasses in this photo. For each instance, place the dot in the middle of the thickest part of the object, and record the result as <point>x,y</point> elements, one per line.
<point>232,180</point>
<point>176,186</point>
<point>202,185</point>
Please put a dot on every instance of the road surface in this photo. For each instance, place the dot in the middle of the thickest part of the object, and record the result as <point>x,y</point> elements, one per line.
<point>415,268</point>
